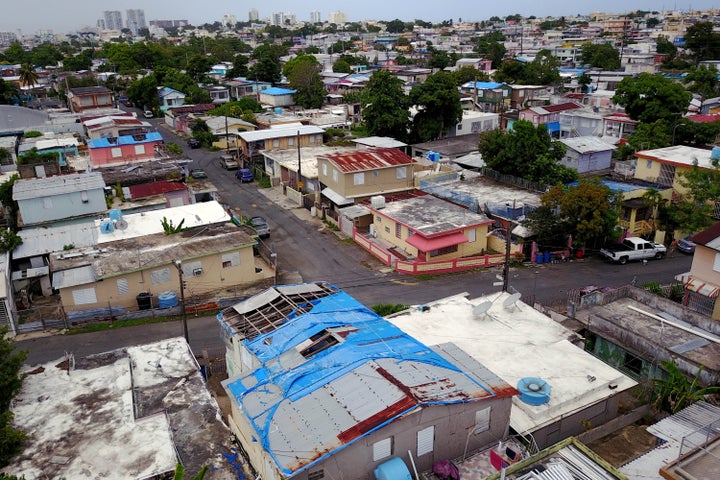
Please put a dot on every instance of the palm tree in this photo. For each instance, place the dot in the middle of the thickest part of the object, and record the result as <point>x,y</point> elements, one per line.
<point>677,392</point>
<point>28,76</point>
<point>180,473</point>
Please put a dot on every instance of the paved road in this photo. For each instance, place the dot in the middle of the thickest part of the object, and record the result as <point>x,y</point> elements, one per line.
<point>309,251</point>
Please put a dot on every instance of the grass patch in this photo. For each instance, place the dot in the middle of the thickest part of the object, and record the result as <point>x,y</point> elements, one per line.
<point>102,326</point>
<point>384,309</point>
<point>264,182</point>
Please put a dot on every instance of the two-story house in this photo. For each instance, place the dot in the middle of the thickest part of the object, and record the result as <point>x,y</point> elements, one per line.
<point>548,115</point>
<point>82,99</point>
<point>124,149</point>
<point>354,175</point>
<point>169,98</point>
<point>115,126</point>
<point>281,137</point>
<point>663,165</point>
<point>481,64</point>
<point>490,97</point>
<point>702,282</point>
<point>240,88</point>
<point>320,386</point>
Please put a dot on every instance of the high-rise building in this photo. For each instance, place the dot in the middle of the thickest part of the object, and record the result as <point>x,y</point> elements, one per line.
<point>253,15</point>
<point>135,20</point>
<point>7,38</point>
<point>113,20</point>
<point>228,20</point>
<point>338,18</point>
<point>315,17</point>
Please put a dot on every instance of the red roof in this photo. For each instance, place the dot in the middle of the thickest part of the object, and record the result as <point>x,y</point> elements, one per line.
<point>703,118</point>
<point>707,235</point>
<point>155,188</point>
<point>370,159</point>
<point>436,243</point>
<point>561,107</point>
<point>200,108</point>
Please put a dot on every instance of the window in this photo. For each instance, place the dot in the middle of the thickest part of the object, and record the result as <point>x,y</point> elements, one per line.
<point>716,263</point>
<point>376,173</point>
<point>401,173</point>
<point>444,251</point>
<point>324,169</point>
<point>471,235</point>
<point>122,286</point>
<point>230,259</point>
<point>632,363</point>
<point>387,229</point>
<point>317,475</point>
<point>336,175</point>
<point>276,143</point>
<point>398,230</point>
<point>425,440</point>
<point>291,141</point>
<point>192,268</point>
<point>84,296</point>
<point>359,178</point>
<point>160,276</point>
<point>382,449</point>
<point>459,126</point>
<point>378,218</point>
<point>116,152</point>
<point>312,138</point>
<point>139,149</point>
<point>649,164</point>
<point>482,421</point>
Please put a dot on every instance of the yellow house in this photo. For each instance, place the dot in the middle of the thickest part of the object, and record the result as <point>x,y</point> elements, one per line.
<point>702,282</point>
<point>281,137</point>
<point>427,228</point>
<point>664,165</point>
<point>347,176</point>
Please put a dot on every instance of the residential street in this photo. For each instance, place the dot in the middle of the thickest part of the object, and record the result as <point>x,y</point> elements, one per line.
<point>309,251</point>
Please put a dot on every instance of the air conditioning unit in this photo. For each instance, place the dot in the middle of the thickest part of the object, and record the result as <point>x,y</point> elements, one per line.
<point>377,201</point>
<point>373,231</point>
<point>197,272</point>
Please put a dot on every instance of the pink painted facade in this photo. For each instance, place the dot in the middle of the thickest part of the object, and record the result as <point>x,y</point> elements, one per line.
<point>116,151</point>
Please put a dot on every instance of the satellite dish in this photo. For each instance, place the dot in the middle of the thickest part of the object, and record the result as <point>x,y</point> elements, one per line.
<point>481,309</point>
<point>512,300</point>
<point>121,225</point>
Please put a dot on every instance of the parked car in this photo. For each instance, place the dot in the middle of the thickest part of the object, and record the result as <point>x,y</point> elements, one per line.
<point>633,248</point>
<point>686,245</point>
<point>228,162</point>
<point>261,226</point>
<point>194,143</point>
<point>148,114</point>
<point>244,175</point>
<point>198,173</point>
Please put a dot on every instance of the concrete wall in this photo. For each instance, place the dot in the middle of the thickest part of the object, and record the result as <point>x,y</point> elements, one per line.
<point>123,153</point>
<point>375,182</point>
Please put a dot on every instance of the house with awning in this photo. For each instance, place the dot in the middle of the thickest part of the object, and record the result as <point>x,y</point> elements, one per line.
<point>702,282</point>
<point>427,228</point>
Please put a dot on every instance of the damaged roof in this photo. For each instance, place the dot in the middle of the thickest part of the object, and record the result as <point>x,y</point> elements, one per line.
<point>369,159</point>
<point>332,371</point>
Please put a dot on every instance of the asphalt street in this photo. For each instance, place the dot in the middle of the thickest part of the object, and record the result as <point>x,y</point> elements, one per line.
<point>309,251</point>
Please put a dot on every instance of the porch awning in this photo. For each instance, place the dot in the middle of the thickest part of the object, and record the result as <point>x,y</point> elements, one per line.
<point>429,244</point>
<point>695,285</point>
<point>336,198</point>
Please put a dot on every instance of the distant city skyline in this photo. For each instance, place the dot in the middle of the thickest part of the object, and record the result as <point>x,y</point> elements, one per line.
<point>68,16</point>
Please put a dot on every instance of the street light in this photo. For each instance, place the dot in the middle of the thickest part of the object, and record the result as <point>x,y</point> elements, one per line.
<point>674,128</point>
<point>508,243</point>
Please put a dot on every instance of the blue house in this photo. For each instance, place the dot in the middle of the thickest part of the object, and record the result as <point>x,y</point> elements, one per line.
<point>323,387</point>
<point>169,97</point>
<point>277,97</point>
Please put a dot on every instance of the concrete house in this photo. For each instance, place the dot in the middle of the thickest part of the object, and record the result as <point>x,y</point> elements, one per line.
<point>82,99</point>
<point>363,173</point>
<point>702,282</point>
<point>548,115</point>
<point>489,96</point>
<point>427,228</point>
<point>277,97</point>
<point>219,94</point>
<point>169,98</point>
<point>586,154</point>
<point>124,149</point>
<point>481,64</point>
<point>50,199</point>
<point>245,88</point>
<point>281,137</point>
<point>663,165</point>
<point>115,126</point>
<point>322,387</point>
<point>110,276</point>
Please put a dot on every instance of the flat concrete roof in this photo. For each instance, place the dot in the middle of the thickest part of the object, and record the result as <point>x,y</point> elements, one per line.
<point>515,342</point>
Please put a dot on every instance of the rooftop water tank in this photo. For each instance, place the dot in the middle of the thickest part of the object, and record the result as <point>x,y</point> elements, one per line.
<point>115,214</point>
<point>534,391</point>
<point>393,469</point>
<point>106,226</point>
<point>377,201</point>
<point>715,154</point>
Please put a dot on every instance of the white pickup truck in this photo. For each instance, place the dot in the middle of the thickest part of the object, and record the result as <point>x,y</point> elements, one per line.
<point>633,248</point>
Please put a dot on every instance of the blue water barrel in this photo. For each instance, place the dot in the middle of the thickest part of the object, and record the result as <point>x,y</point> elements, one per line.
<point>115,214</point>
<point>539,257</point>
<point>167,299</point>
<point>393,469</point>
<point>546,257</point>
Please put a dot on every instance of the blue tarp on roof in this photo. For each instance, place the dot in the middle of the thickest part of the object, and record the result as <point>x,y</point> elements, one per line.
<point>483,85</point>
<point>124,140</point>
<point>278,91</point>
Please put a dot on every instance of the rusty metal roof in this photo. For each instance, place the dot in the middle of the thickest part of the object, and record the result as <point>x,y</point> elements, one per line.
<point>370,159</point>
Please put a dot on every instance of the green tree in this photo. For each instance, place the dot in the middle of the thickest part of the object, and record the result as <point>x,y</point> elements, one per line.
<point>267,66</point>
<point>303,74</point>
<point>584,80</point>
<point>543,70</point>
<point>9,92</point>
<point>676,391</point>
<point>693,209</point>
<point>9,240</point>
<point>601,55</point>
<point>511,71</point>
<point>240,67</point>
<point>438,104</point>
<point>198,67</point>
<point>15,53</point>
<point>201,131</point>
<point>648,136</point>
<point>6,200</point>
<point>702,41</point>
<point>395,26</point>
<point>664,46</point>
<point>342,66</point>
<point>28,76</point>
<point>75,63</point>
<point>180,473</point>
<point>703,80</point>
<point>469,74</point>
<point>385,111</point>
<point>648,98</point>
<point>526,152</point>
<point>143,92</point>
<point>11,361</point>
<point>491,48</point>
<point>237,108</point>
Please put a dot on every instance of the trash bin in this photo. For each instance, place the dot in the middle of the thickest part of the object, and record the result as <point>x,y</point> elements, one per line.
<point>539,257</point>
<point>547,257</point>
<point>144,301</point>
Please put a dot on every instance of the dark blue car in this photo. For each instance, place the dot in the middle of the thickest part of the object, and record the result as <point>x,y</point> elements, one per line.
<point>244,175</point>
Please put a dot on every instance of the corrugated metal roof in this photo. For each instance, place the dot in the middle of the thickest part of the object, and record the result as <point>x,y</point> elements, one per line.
<point>587,144</point>
<point>305,406</point>
<point>370,159</point>
<point>280,132</point>
<point>155,188</point>
<point>57,185</point>
<point>73,277</point>
<point>125,140</point>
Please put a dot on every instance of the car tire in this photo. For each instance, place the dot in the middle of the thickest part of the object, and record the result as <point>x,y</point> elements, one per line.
<point>623,260</point>
<point>659,255</point>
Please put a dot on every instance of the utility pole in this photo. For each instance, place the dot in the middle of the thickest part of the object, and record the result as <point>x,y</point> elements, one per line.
<point>299,182</point>
<point>178,264</point>
<point>506,267</point>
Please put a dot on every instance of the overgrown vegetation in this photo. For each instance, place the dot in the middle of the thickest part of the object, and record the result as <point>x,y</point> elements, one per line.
<point>169,228</point>
<point>676,391</point>
<point>385,309</point>
<point>11,361</point>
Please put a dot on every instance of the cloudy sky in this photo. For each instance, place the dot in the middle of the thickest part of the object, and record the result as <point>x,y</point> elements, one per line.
<point>62,16</point>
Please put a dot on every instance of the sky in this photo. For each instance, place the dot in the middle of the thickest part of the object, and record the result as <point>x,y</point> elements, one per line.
<point>69,15</point>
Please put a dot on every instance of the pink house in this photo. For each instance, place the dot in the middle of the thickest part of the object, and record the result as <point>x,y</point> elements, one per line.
<point>123,149</point>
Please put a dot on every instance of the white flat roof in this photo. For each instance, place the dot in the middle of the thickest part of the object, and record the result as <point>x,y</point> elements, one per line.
<point>148,223</point>
<point>680,155</point>
<point>517,342</point>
